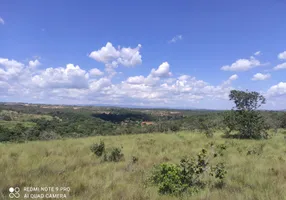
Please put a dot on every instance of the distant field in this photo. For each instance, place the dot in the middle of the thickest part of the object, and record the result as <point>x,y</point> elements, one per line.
<point>70,163</point>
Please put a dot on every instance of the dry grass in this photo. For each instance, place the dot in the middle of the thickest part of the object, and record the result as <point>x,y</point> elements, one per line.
<point>70,163</point>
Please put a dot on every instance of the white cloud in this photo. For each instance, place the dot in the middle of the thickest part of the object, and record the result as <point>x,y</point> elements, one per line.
<point>95,72</point>
<point>282,55</point>
<point>97,85</point>
<point>233,77</point>
<point>260,77</point>
<point>11,69</point>
<point>70,77</point>
<point>277,90</point>
<point>72,84</point>
<point>230,79</point>
<point>257,53</point>
<point>130,57</point>
<point>136,80</point>
<point>34,63</point>
<point>175,39</point>
<point>162,71</point>
<point>113,57</point>
<point>280,66</point>
<point>242,65</point>
<point>184,77</point>
<point>105,54</point>
<point>2,21</point>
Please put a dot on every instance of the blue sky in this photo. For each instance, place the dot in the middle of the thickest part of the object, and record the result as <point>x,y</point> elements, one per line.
<point>146,53</point>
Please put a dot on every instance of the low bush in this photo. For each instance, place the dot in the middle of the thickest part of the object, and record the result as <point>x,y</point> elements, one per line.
<point>98,149</point>
<point>114,155</point>
<point>189,176</point>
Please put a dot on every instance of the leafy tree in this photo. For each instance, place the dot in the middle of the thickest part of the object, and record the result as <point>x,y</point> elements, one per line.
<point>244,117</point>
<point>246,100</point>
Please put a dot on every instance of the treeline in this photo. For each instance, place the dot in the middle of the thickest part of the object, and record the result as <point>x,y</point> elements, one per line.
<point>68,122</point>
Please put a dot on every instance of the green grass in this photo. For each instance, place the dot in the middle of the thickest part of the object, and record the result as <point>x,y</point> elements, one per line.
<point>70,163</point>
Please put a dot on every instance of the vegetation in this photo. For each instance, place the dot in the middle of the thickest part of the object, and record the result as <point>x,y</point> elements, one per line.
<point>202,159</point>
<point>69,162</point>
<point>189,176</point>
<point>245,119</point>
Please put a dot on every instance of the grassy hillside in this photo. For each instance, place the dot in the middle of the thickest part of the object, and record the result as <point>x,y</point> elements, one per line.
<point>70,163</point>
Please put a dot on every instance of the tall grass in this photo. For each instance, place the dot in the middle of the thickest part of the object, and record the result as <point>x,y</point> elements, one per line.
<point>70,163</point>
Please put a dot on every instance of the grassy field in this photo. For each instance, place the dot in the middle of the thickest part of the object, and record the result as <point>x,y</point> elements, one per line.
<point>70,163</point>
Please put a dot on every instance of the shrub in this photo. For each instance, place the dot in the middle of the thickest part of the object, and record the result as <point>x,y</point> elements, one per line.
<point>114,155</point>
<point>7,118</point>
<point>134,159</point>
<point>189,176</point>
<point>98,149</point>
<point>168,178</point>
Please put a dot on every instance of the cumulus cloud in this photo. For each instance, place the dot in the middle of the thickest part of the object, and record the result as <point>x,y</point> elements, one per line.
<point>136,80</point>
<point>95,72</point>
<point>34,63</point>
<point>175,39</point>
<point>277,90</point>
<point>105,54</point>
<point>72,76</point>
<point>242,65</point>
<point>233,77</point>
<point>162,71</point>
<point>230,79</point>
<point>260,77</point>
<point>280,66</point>
<point>2,21</point>
<point>72,84</point>
<point>10,68</point>
<point>112,57</point>
<point>282,55</point>
<point>97,85</point>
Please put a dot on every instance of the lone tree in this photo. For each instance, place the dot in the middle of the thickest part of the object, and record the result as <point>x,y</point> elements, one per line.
<point>244,117</point>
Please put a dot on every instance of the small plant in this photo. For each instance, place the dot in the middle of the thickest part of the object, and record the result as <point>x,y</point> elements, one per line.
<point>221,148</point>
<point>189,176</point>
<point>98,149</point>
<point>115,155</point>
<point>134,159</point>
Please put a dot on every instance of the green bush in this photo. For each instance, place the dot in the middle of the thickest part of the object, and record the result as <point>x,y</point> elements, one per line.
<point>189,176</point>
<point>134,159</point>
<point>98,149</point>
<point>114,155</point>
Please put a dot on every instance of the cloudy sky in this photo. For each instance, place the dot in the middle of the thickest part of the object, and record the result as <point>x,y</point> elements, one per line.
<point>182,53</point>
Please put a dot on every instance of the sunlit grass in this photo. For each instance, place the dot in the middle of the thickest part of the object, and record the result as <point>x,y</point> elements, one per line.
<point>71,163</point>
